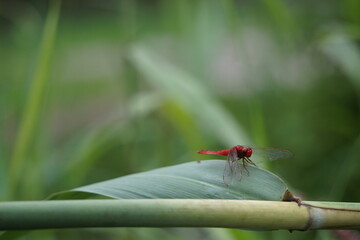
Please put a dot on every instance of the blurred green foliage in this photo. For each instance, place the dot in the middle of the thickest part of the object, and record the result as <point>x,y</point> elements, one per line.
<point>136,85</point>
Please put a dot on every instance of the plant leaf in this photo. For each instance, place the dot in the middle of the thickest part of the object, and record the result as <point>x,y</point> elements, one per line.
<point>189,180</point>
<point>188,92</point>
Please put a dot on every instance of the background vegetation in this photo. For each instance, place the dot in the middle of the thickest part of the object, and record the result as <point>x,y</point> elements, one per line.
<point>130,86</point>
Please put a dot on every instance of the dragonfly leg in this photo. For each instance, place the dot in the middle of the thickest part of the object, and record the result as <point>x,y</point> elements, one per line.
<point>244,162</point>
<point>250,162</point>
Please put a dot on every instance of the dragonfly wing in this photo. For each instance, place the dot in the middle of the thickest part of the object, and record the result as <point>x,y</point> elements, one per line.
<point>232,155</point>
<point>228,174</point>
<point>232,168</point>
<point>272,153</point>
<point>236,169</point>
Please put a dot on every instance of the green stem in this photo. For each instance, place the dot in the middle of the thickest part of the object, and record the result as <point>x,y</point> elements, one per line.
<point>248,214</point>
<point>35,98</point>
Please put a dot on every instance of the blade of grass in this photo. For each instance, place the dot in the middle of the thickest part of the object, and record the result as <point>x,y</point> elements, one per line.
<point>187,91</point>
<point>97,139</point>
<point>344,52</point>
<point>35,98</point>
<point>187,126</point>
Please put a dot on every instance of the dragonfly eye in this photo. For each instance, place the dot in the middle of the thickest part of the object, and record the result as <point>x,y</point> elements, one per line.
<point>248,152</point>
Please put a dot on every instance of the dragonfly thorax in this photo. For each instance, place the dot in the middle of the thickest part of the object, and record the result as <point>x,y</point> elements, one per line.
<point>243,151</point>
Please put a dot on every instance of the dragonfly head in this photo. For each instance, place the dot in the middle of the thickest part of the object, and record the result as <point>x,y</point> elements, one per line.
<point>247,152</point>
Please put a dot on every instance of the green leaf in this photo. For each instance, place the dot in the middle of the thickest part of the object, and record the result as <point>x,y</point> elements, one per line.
<point>32,109</point>
<point>344,51</point>
<point>187,91</point>
<point>194,180</point>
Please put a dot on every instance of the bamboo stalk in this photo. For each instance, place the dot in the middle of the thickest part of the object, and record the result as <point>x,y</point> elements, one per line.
<point>247,214</point>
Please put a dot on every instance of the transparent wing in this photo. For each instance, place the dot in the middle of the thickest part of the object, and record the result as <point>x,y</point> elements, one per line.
<point>232,170</point>
<point>228,174</point>
<point>272,153</point>
<point>232,167</point>
<point>237,169</point>
<point>232,155</point>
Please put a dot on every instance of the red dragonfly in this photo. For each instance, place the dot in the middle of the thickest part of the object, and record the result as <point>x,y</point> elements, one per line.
<point>234,169</point>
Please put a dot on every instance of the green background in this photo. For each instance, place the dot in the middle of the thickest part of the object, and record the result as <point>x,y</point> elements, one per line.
<point>134,85</point>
